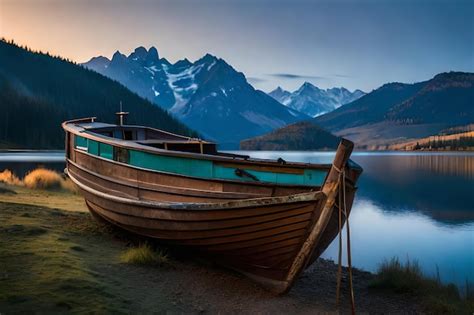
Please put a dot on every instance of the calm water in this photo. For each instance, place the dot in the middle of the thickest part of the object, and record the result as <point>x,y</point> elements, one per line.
<point>23,162</point>
<point>410,205</point>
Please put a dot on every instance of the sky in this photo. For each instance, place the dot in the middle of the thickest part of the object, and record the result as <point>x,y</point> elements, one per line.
<point>355,44</point>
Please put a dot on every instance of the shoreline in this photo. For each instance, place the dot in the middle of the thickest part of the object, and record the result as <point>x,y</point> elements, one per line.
<point>356,150</point>
<point>73,265</point>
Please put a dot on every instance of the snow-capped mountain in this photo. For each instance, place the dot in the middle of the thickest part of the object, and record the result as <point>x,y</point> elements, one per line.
<point>314,101</point>
<point>208,95</point>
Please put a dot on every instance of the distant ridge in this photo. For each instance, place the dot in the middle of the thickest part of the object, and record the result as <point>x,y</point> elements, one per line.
<point>314,101</point>
<point>304,136</point>
<point>38,92</point>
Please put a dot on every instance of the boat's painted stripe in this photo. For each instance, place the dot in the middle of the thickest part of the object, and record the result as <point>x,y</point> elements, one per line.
<point>201,168</point>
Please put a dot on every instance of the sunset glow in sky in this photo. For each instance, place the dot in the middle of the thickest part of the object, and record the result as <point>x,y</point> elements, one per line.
<point>356,44</point>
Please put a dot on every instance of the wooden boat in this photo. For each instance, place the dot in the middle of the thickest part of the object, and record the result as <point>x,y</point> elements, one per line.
<point>267,219</point>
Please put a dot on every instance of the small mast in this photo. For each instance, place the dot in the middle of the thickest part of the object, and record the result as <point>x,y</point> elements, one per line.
<point>121,115</point>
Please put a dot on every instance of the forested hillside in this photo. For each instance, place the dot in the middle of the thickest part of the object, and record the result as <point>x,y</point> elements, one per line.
<point>38,92</point>
<point>301,136</point>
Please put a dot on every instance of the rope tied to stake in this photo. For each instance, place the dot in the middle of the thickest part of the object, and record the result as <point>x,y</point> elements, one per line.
<point>343,211</point>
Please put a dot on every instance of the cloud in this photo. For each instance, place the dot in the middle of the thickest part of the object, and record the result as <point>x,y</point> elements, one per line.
<point>255,80</point>
<point>292,76</point>
<point>342,76</point>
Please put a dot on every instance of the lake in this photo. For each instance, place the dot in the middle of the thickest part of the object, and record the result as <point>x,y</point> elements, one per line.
<point>417,206</point>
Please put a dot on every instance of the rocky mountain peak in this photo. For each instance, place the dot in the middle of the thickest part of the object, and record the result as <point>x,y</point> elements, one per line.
<point>183,62</point>
<point>139,53</point>
<point>118,58</point>
<point>307,87</point>
<point>313,101</point>
<point>208,58</point>
<point>153,55</point>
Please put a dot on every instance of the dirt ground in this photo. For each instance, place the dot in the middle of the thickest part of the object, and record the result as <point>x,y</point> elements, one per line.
<point>54,260</point>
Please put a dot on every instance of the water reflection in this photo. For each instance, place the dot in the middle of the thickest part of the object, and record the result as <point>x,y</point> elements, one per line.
<point>451,165</point>
<point>439,186</point>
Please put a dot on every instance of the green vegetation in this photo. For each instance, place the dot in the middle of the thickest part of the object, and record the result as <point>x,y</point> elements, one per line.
<point>435,297</point>
<point>42,267</point>
<point>144,255</point>
<point>54,198</point>
<point>40,91</point>
<point>56,261</point>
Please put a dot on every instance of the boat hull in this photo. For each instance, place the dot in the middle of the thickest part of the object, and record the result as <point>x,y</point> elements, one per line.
<point>269,229</point>
<point>260,237</point>
<point>260,240</point>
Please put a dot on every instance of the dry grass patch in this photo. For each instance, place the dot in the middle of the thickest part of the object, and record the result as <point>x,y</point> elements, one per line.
<point>144,255</point>
<point>40,178</point>
<point>9,178</point>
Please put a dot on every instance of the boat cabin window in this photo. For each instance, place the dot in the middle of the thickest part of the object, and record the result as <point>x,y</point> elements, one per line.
<point>121,155</point>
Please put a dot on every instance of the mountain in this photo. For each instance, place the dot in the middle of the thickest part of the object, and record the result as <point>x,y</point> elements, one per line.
<point>280,95</point>
<point>314,101</point>
<point>208,95</point>
<point>396,112</point>
<point>38,92</point>
<point>448,97</point>
<point>303,135</point>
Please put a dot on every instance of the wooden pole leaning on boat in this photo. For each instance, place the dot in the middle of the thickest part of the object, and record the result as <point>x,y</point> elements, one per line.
<point>330,189</point>
<point>342,209</point>
<point>349,256</point>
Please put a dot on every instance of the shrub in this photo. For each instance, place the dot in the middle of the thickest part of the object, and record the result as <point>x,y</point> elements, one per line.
<point>408,278</point>
<point>400,278</point>
<point>144,255</point>
<point>43,179</point>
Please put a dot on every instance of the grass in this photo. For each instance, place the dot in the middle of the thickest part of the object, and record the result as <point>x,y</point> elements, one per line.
<point>49,263</point>
<point>54,199</point>
<point>5,190</point>
<point>435,297</point>
<point>144,254</point>
<point>62,261</point>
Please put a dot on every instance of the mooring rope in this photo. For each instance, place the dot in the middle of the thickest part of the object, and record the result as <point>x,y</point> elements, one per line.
<point>339,257</point>
<point>342,207</point>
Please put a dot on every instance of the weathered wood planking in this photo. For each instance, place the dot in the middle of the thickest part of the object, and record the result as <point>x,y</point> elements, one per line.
<point>267,219</point>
